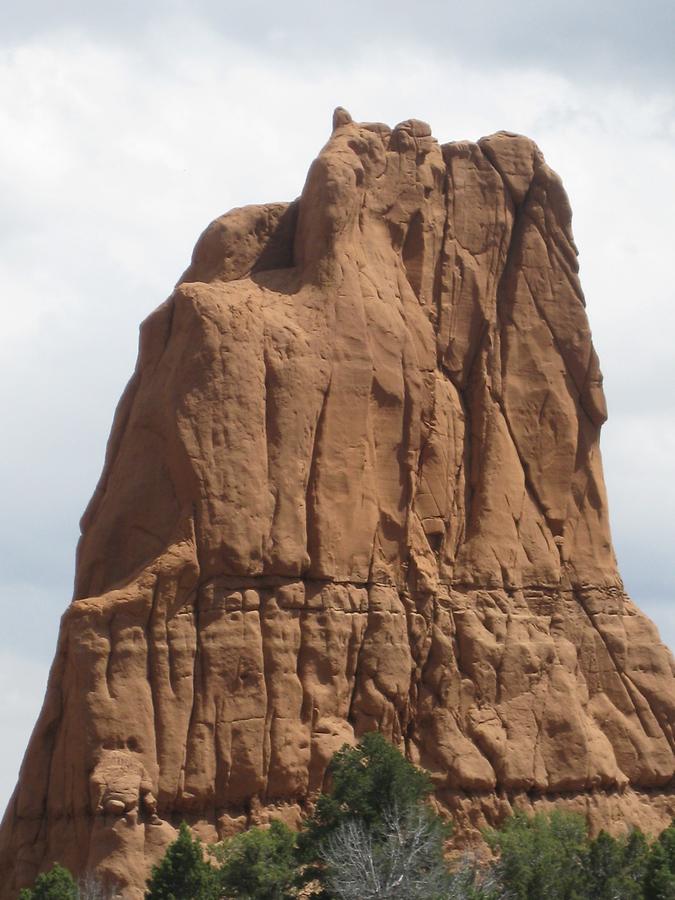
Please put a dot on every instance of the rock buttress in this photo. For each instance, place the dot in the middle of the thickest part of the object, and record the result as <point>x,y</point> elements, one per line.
<point>354,483</point>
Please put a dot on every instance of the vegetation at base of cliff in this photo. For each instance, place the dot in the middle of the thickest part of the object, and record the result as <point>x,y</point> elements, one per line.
<point>183,871</point>
<point>56,884</point>
<point>373,829</point>
<point>259,863</point>
<point>59,884</point>
<point>374,834</point>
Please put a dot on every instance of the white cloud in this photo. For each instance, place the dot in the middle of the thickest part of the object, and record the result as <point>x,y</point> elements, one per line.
<point>22,685</point>
<point>608,40</point>
<point>116,155</point>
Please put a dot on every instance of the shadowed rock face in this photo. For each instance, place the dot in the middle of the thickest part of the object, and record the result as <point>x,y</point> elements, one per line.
<point>354,483</point>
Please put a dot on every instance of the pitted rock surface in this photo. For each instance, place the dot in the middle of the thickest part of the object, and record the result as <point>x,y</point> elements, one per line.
<point>354,483</point>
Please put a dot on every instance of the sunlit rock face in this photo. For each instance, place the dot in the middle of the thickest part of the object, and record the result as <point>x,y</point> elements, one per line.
<point>354,483</point>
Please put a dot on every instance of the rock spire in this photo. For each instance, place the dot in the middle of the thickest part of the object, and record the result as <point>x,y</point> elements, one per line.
<point>354,483</point>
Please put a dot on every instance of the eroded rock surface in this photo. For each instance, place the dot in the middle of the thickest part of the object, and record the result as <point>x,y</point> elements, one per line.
<point>354,483</point>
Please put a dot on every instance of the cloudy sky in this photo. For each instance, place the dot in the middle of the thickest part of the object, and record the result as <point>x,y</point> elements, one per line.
<point>127,127</point>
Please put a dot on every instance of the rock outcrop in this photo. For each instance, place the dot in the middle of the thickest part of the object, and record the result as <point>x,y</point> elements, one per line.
<point>354,483</point>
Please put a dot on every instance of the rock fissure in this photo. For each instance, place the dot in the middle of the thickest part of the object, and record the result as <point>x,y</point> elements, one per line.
<point>624,674</point>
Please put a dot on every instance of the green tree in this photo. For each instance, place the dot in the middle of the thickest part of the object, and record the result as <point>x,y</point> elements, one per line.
<point>667,841</point>
<point>366,782</point>
<point>371,786</point>
<point>259,864</point>
<point>635,856</point>
<point>604,865</point>
<point>542,856</point>
<point>182,874</point>
<point>57,884</point>
<point>659,880</point>
<point>615,867</point>
<point>660,869</point>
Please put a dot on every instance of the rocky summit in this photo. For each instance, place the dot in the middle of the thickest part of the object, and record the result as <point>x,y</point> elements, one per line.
<point>354,483</point>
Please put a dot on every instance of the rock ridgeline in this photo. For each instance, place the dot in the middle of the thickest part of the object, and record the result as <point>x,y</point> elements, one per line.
<point>354,483</point>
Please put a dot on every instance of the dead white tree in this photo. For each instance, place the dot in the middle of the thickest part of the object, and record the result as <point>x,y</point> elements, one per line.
<point>401,860</point>
<point>92,887</point>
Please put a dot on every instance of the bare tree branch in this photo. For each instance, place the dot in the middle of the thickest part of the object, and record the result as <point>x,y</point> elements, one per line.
<point>403,860</point>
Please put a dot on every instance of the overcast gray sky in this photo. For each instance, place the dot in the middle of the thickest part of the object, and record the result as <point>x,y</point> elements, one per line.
<point>127,127</point>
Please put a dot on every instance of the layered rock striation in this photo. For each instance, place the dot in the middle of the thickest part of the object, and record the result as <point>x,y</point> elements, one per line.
<point>354,483</point>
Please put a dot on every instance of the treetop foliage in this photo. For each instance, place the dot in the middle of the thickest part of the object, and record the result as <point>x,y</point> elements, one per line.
<point>56,884</point>
<point>259,863</point>
<point>366,782</point>
<point>541,856</point>
<point>183,873</point>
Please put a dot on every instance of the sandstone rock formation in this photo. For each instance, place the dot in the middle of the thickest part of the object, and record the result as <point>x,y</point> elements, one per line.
<point>354,483</point>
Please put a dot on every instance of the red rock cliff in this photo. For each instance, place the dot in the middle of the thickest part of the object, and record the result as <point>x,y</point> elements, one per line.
<point>354,483</point>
